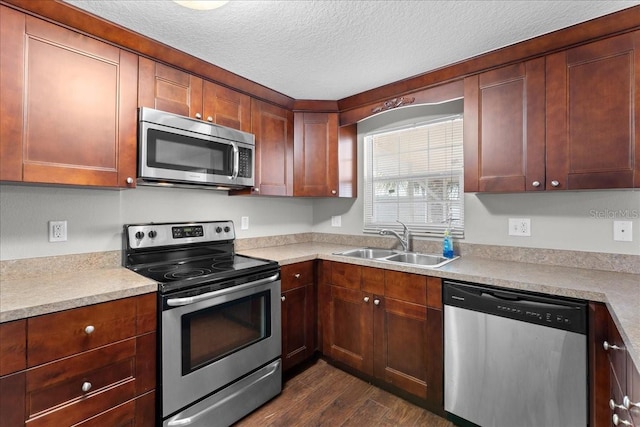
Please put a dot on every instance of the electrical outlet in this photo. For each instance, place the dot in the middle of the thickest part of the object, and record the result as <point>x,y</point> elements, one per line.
<point>519,227</point>
<point>623,231</point>
<point>336,221</point>
<point>57,231</point>
<point>244,223</point>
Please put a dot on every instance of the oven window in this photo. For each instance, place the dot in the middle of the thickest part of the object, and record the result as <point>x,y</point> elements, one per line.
<point>215,332</point>
<point>172,151</point>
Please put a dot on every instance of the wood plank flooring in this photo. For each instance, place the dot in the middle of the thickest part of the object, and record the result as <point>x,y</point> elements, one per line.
<point>326,396</point>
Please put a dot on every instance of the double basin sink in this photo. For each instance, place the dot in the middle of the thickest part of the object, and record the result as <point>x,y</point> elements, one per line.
<point>398,257</point>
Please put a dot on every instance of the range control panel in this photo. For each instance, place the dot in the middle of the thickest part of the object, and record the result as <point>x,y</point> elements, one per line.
<point>169,234</point>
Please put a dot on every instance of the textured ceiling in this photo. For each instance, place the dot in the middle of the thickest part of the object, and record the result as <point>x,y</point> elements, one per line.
<point>328,50</point>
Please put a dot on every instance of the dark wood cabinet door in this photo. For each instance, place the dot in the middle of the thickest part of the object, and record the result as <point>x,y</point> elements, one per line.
<point>315,154</point>
<point>169,89</point>
<point>504,134</point>
<point>633,390</point>
<point>273,128</point>
<point>351,328</point>
<point>12,400</point>
<point>297,338</point>
<point>226,107</point>
<point>593,119</point>
<point>400,345</point>
<point>76,105</point>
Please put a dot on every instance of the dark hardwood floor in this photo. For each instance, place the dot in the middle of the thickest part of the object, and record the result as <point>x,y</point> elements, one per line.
<point>326,396</point>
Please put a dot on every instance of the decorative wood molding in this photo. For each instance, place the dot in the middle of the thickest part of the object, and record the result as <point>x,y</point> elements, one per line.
<point>393,103</point>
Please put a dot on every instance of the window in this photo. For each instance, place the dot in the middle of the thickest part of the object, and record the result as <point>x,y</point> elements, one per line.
<point>415,175</point>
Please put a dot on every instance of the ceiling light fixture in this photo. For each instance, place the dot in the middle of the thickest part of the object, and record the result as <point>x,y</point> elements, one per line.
<point>201,4</point>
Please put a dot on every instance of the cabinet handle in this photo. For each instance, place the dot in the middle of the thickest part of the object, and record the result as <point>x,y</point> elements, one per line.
<point>613,405</point>
<point>198,116</point>
<point>376,301</point>
<point>627,403</point>
<point>129,180</point>
<point>297,275</point>
<point>283,298</point>
<point>536,183</point>
<point>89,330</point>
<point>608,346</point>
<point>86,386</point>
<point>366,299</point>
<point>555,183</point>
<point>616,420</point>
<point>209,119</point>
<point>334,192</point>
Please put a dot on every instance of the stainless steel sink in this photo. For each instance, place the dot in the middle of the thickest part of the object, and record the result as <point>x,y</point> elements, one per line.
<point>398,257</point>
<point>368,253</point>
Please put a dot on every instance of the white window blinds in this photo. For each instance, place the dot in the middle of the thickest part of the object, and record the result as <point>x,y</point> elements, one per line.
<point>415,175</point>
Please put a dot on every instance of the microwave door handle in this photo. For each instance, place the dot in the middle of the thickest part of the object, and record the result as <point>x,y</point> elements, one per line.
<point>175,302</point>
<point>236,161</point>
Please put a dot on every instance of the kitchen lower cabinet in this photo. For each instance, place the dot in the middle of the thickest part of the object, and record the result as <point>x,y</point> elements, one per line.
<point>94,365</point>
<point>68,106</point>
<point>298,313</point>
<point>615,380</point>
<point>382,324</point>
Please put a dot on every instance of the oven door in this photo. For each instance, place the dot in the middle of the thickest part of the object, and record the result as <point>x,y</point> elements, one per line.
<point>214,339</point>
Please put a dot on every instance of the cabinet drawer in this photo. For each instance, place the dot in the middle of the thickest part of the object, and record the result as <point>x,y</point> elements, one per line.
<point>296,275</point>
<point>139,412</point>
<point>61,382</point>
<point>13,337</point>
<point>57,335</point>
<point>346,275</point>
<point>406,287</point>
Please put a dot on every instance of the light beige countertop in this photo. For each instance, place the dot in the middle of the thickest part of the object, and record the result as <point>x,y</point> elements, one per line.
<point>619,291</point>
<point>48,293</point>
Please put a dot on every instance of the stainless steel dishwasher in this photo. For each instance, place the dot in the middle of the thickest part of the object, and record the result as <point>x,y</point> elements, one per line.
<point>514,358</point>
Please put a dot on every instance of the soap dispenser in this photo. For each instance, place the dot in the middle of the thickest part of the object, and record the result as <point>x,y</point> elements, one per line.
<point>447,245</point>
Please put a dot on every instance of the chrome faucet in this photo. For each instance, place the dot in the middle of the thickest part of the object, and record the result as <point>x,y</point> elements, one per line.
<point>404,239</point>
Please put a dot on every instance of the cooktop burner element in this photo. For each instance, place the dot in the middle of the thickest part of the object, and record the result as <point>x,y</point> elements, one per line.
<point>182,255</point>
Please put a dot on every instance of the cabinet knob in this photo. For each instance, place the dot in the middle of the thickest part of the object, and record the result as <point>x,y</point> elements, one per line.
<point>627,403</point>
<point>334,192</point>
<point>613,405</point>
<point>366,299</point>
<point>555,183</point>
<point>198,116</point>
<point>283,298</point>
<point>608,346</point>
<point>536,183</point>
<point>376,301</point>
<point>89,330</point>
<point>297,275</point>
<point>617,421</point>
<point>86,386</point>
<point>256,189</point>
<point>129,180</point>
<point>209,118</point>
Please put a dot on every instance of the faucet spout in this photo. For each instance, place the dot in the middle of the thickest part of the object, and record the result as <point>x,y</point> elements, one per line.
<point>404,239</point>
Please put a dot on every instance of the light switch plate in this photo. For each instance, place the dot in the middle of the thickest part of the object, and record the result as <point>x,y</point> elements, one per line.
<point>336,221</point>
<point>623,231</point>
<point>244,223</point>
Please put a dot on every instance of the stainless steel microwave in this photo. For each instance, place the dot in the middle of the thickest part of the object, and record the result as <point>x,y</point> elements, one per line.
<point>178,150</point>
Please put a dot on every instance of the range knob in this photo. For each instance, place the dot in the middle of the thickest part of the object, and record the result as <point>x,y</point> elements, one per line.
<point>139,235</point>
<point>153,234</point>
<point>227,229</point>
<point>218,229</point>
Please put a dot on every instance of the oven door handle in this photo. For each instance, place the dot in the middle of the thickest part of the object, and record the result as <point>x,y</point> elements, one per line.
<point>176,302</point>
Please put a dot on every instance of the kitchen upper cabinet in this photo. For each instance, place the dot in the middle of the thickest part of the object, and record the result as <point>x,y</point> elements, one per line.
<point>324,156</point>
<point>68,106</point>
<point>273,129</point>
<point>298,313</point>
<point>504,129</point>
<point>593,115</point>
<point>169,89</point>
<point>387,325</point>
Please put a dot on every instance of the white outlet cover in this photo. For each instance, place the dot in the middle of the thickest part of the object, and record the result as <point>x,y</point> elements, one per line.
<point>623,231</point>
<point>57,231</point>
<point>520,227</point>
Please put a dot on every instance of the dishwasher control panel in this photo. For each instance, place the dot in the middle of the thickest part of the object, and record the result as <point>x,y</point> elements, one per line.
<point>555,312</point>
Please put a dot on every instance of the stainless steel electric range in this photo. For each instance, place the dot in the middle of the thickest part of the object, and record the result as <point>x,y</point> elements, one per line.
<point>219,343</point>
